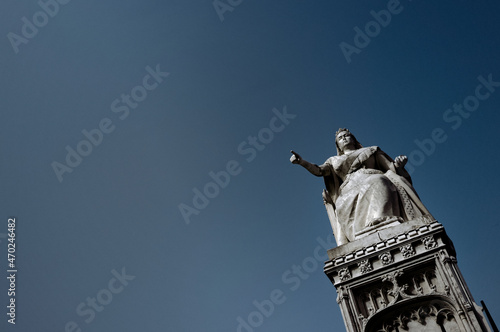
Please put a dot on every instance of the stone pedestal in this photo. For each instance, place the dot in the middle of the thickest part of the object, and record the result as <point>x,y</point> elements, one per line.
<point>403,278</point>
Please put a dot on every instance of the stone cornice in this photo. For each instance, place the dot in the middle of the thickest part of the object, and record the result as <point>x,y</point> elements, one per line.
<point>356,259</point>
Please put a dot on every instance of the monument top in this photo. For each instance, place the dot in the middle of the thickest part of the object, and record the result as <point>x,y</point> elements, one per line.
<point>366,190</point>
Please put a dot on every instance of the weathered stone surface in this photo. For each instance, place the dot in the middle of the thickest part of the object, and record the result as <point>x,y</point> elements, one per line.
<point>394,268</point>
<point>378,239</point>
<point>403,278</point>
<point>366,190</point>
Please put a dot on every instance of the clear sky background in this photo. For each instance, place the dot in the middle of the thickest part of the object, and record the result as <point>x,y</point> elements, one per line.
<point>118,209</point>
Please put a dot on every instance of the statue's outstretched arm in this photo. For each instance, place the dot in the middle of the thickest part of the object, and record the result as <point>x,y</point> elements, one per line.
<point>312,168</point>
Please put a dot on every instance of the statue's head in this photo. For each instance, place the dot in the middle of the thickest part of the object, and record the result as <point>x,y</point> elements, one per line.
<point>342,137</point>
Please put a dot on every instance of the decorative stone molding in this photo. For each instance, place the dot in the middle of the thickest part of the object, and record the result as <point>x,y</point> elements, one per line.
<point>432,317</point>
<point>429,242</point>
<point>371,250</point>
<point>447,259</point>
<point>407,250</point>
<point>386,258</point>
<point>365,266</point>
<point>362,320</point>
<point>397,292</point>
<point>344,274</point>
<point>399,281</point>
<point>342,294</point>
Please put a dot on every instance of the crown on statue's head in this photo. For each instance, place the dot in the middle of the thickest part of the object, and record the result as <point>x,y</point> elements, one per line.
<point>341,130</point>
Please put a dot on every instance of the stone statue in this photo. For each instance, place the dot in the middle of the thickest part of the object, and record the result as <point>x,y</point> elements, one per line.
<point>365,189</point>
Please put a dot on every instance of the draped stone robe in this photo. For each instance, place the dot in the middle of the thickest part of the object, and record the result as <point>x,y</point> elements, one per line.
<point>365,192</point>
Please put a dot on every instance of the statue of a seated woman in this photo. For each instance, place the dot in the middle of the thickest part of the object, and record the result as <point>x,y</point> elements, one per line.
<point>365,189</point>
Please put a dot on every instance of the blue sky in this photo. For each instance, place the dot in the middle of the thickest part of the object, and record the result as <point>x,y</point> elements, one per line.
<point>199,88</point>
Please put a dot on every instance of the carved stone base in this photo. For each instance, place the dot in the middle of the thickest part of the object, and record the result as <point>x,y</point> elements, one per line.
<point>403,278</point>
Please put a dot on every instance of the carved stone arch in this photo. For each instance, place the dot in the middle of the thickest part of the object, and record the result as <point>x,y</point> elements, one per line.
<point>432,312</point>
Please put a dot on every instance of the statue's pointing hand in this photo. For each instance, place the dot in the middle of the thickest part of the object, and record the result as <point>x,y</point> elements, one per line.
<point>400,161</point>
<point>295,158</point>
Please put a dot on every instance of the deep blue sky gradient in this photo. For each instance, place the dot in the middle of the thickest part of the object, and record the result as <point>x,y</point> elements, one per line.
<point>120,207</point>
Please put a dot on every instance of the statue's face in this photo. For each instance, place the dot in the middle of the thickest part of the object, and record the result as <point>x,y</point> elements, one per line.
<point>345,138</point>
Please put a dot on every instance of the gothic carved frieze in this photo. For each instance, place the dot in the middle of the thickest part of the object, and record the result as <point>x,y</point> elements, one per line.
<point>396,286</point>
<point>402,282</point>
<point>397,292</point>
<point>344,274</point>
<point>365,266</point>
<point>386,258</point>
<point>428,317</point>
<point>407,250</point>
<point>429,242</point>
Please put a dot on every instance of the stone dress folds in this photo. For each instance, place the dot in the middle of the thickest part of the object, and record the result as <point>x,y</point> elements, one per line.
<point>365,190</point>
